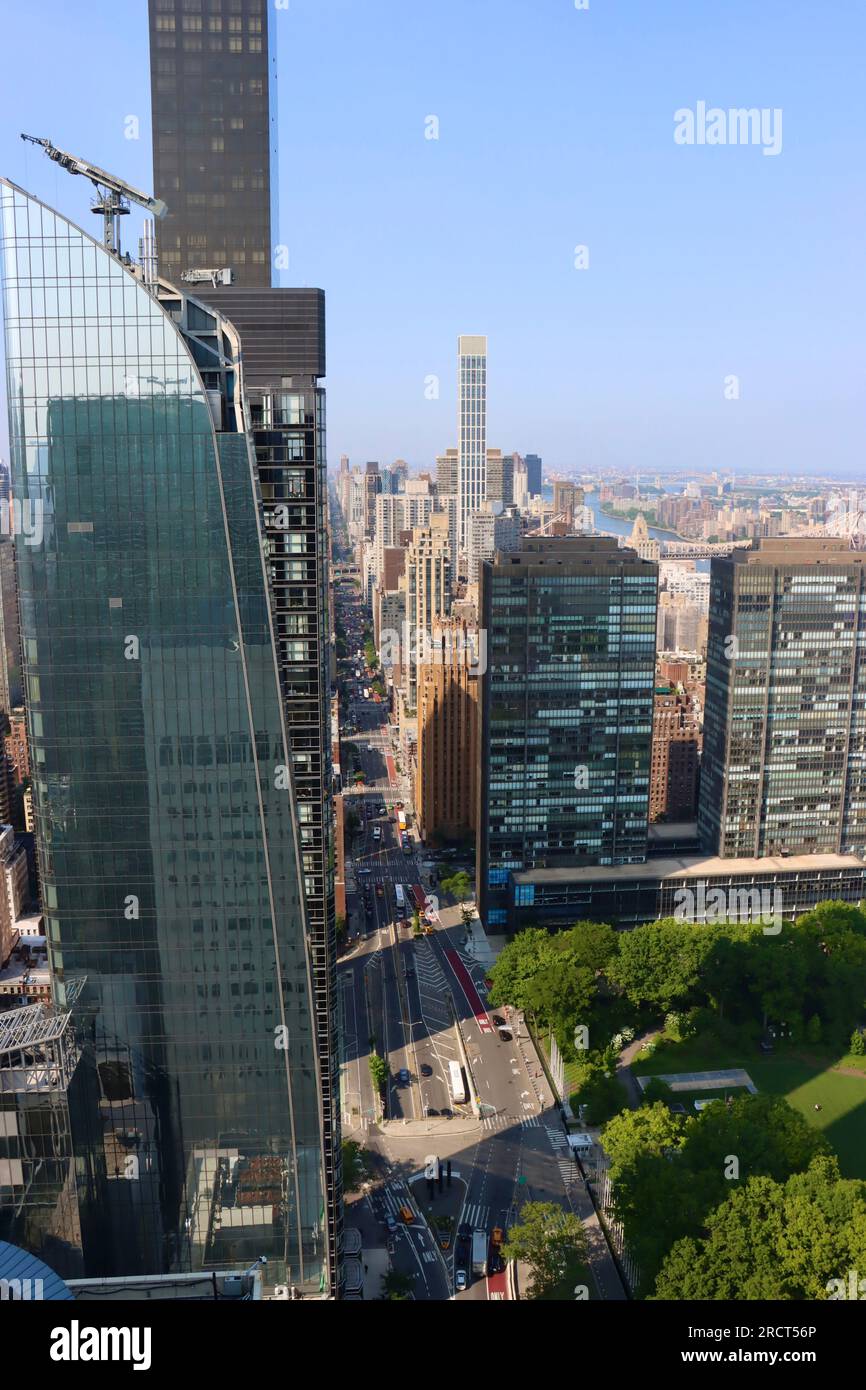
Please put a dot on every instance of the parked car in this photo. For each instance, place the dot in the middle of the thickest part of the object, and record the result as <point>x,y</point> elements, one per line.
<point>403,1076</point>
<point>499,1020</point>
<point>426,1069</point>
<point>460,1280</point>
<point>505,1035</point>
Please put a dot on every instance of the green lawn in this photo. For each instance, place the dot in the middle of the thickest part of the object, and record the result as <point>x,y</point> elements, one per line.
<point>842,1099</point>
<point>804,1076</point>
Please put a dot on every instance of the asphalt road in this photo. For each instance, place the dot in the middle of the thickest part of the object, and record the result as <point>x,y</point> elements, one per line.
<point>407,993</point>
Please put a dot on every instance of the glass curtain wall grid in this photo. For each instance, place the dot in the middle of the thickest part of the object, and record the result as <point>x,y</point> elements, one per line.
<point>165,812</point>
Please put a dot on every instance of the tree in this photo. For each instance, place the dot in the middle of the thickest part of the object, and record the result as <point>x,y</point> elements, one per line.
<point>561,997</point>
<point>633,1133</point>
<point>668,1175</point>
<point>553,1244</point>
<point>396,1287</point>
<point>658,964</point>
<point>378,1071</point>
<point>354,1167</point>
<point>772,1240</point>
<point>814,1029</point>
<point>602,1094</point>
<point>517,965</point>
<point>592,945</point>
<point>459,885</point>
<point>767,1135</point>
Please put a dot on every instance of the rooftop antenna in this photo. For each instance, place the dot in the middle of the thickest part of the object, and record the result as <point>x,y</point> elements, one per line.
<point>113,195</point>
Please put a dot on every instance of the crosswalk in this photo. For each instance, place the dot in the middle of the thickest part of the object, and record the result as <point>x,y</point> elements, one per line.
<point>503,1121</point>
<point>568,1169</point>
<point>476,1216</point>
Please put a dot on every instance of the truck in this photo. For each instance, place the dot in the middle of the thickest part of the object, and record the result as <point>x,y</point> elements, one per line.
<point>479,1253</point>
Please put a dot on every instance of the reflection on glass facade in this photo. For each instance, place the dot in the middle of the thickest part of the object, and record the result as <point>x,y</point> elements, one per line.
<point>163,794</point>
<point>567,708</point>
<point>784,758</point>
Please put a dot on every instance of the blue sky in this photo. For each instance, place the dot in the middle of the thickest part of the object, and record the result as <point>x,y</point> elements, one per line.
<point>555,130</point>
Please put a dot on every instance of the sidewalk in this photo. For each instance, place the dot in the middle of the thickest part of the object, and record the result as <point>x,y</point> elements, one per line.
<point>609,1285</point>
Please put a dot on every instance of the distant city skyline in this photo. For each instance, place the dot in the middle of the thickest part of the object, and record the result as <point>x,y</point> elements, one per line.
<point>702,263</point>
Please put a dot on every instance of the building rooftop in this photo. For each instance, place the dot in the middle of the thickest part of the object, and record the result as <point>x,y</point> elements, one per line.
<point>694,866</point>
<point>570,551</point>
<point>800,550</point>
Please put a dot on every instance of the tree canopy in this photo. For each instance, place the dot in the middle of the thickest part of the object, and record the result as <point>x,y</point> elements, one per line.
<point>552,1242</point>
<point>774,1240</point>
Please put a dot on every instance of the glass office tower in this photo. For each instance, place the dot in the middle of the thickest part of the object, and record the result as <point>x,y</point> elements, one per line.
<point>213,102</point>
<point>166,817</point>
<point>784,758</point>
<point>213,69</point>
<point>566,713</point>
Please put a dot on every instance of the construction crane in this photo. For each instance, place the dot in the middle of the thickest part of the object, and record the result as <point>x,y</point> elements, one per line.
<point>113,194</point>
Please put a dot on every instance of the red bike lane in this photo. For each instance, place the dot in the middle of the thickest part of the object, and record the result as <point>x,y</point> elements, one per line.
<point>473,998</point>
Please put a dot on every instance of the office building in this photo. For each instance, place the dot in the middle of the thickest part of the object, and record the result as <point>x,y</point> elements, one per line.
<point>638,893</point>
<point>567,497</point>
<point>500,477</point>
<point>282,332</point>
<point>372,490</point>
<point>447,466</point>
<point>675,750</point>
<point>213,99</point>
<point>784,758</point>
<point>447,759</point>
<point>491,530</point>
<point>16,744</point>
<point>533,474</point>
<point>566,713</point>
<point>471,430</point>
<point>166,814</point>
<point>427,587</point>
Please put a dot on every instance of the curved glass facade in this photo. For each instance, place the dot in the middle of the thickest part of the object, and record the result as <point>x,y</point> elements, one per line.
<point>165,813</point>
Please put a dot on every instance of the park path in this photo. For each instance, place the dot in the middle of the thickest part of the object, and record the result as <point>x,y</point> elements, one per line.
<point>623,1066</point>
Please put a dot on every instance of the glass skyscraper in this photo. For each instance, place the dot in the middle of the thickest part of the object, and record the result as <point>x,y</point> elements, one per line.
<point>213,70</point>
<point>566,713</point>
<point>165,807</point>
<point>213,99</point>
<point>784,756</point>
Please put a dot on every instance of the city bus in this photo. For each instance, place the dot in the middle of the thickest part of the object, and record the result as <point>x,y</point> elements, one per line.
<point>458,1087</point>
<point>401,821</point>
<point>401,898</point>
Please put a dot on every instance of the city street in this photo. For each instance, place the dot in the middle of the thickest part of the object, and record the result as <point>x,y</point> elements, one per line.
<point>422,999</point>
